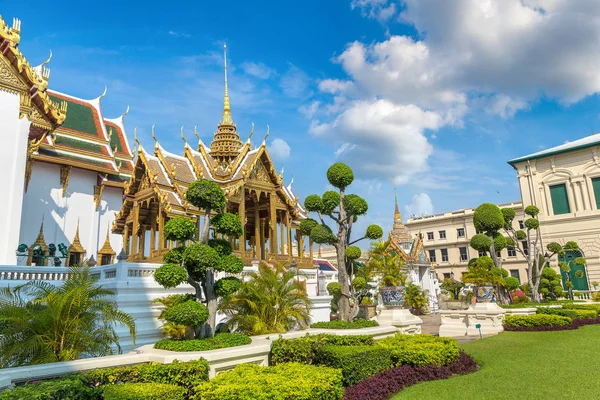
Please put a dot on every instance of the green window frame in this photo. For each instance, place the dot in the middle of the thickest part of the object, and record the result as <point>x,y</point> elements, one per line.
<point>560,199</point>
<point>596,188</point>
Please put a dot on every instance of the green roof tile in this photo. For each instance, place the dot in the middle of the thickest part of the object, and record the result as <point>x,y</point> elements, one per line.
<point>79,117</point>
<point>78,144</point>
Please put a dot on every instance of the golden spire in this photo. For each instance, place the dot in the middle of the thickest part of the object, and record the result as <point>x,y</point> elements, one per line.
<point>107,248</point>
<point>40,238</point>
<point>76,246</point>
<point>397,215</point>
<point>227,120</point>
<point>399,232</point>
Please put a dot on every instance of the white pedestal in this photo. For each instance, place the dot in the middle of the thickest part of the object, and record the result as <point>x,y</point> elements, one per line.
<point>457,323</point>
<point>402,319</point>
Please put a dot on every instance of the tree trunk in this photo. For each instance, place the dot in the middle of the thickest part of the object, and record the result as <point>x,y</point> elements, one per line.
<point>205,227</point>
<point>340,248</point>
<point>211,303</point>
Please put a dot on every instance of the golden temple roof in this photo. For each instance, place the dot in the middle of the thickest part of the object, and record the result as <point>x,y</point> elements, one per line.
<point>399,233</point>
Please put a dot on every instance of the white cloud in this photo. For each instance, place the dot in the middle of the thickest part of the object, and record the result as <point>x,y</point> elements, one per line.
<point>310,111</point>
<point>279,149</point>
<point>295,82</point>
<point>421,205</point>
<point>381,10</point>
<point>258,70</point>
<point>179,34</point>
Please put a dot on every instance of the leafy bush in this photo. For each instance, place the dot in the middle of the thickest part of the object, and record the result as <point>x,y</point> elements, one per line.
<point>420,349</point>
<point>587,314</point>
<point>356,362</point>
<point>575,306</point>
<point>558,311</point>
<point>536,320</point>
<point>219,341</point>
<point>144,391</point>
<point>356,324</point>
<point>67,388</point>
<point>518,296</point>
<point>185,374</point>
<point>188,313</point>
<point>303,350</point>
<point>382,386</point>
<point>281,382</point>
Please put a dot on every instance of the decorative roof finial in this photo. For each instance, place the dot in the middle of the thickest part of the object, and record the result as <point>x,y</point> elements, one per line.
<point>49,58</point>
<point>103,93</point>
<point>396,209</point>
<point>135,138</point>
<point>251,133</point>
<point>227,120</point>
<point>183,137</point>
<point>264,143</point>
<point>126,111</point>
<point>154,137</point>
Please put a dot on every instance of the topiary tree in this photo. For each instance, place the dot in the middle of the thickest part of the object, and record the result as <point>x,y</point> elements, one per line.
<point>197,260</point>
<point>566,268</point>
<point>344,210</point>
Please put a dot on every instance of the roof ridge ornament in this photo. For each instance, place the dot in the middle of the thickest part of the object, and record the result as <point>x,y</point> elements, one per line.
<point>156,145</point>
<point>126,111</point>
<point>183,137</point>
<point>251,133</point>
<point>103,93</point>
<point>135,138</point>
<point>49,58</point>
<point>264,142</point>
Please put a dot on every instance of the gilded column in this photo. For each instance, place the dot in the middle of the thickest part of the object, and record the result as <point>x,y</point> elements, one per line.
<point>152,232</point>
<point>142,242</point>
<point>273,223</point>
<point>300,245</point>
<point>288,219</point>
<point>126,239</point>
<point>263,228</point>
<point>256,230</point>
<point>135,230</point>
<point>282,235</point>
<point>161,230</point>
<point>242,215</point>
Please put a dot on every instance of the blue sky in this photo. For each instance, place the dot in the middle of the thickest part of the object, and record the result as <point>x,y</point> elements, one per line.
<point>435,95</point>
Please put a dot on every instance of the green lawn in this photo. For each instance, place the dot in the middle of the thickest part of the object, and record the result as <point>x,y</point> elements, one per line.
<point>524,365</point>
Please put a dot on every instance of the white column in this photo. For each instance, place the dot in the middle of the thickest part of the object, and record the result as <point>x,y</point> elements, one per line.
<point>13,157</point>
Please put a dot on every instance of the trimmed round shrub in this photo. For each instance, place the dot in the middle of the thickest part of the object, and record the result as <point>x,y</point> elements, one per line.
<point>510,243</point>
<point>508,214</point>
<point>521,235</point>
<point>334,288</point>
<point>205,194</point>
<point>199,257</point>
<point>219,341</point>
<point>179,229</point>
<point>226,286</point>
<point>144,391</point>
<point>359,283</point>
<point>353,252</point>
<point>227,224</point>
<point>511,283</point>
<point>322,234</point>
<point>488,218</point>
<point>189,313</point>
<point>554,247</point>
<point>374,232</point>
<point>331,200</point>
<point>313,203</point>
<point>420,349</point>
<point>480,242</point>
<point>170,275</point>
<point>532,211</point>
<point>222,246</point>
<point>499,242</point>
<point>340,175</point>
<point>174,256</point>
<point>571,245</point>
<point>532,223</point>
<point>355,205</point>
<point>306,226</point>
<point>231,264</point>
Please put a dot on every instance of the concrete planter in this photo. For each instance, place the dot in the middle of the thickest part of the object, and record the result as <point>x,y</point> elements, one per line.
<point>485,294</point>
<point>367,311</point>
<point>393,296</point>
<point>456,305</point>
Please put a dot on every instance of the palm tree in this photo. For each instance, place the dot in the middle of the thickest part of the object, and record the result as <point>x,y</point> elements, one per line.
<point>41,323</point>
<point>384,261</point>
<point>272,301</point>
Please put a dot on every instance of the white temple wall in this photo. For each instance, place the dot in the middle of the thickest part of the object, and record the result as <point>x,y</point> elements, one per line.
<point>61,215</point>
<point>13,157</point>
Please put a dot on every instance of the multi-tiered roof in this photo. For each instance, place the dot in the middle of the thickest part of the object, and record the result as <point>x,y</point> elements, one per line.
<point>402,242</point>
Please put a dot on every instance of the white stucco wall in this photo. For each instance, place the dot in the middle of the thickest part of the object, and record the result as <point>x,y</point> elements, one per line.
<point>13,156</point>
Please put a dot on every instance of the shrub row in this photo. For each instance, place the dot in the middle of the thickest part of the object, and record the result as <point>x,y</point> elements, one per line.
<point>575,306</point>
<point>281,382</point>
<point>576,323</point>
<point>420,349</point>
<point>219,341</point>
<point>144,391</point>
<point>537,320</point>
<point>569,312</point>
<point>356,362</point>
<point>356,324</point>
<point>305,349</point>
<point>381,386</point>
<point>66,388</point>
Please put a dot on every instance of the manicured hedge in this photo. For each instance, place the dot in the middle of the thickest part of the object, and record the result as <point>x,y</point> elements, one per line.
<point>66,388</point>
<point>144,391</point>
<point>557,311</point>
<point>420,349</point>
<point>356,362</point>
<point>304,350</point>
<point>575,306</point>
<point>219,341</point>
<point>382,386</point>
<point>528,321</point>
<point>281,382</point>
<point>356,324</point>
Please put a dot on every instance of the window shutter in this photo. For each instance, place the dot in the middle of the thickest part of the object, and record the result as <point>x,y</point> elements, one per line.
<point>560,201</point>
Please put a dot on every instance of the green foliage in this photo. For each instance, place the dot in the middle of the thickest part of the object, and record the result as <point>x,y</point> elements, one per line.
<point>488,218</point>
<point>198,258</point>
<point>500,242</point>
<point>532,211</point>
<point>227,286</point>
<point>322,234</point>
<point>227,224</point>
<point>511,283</point>
<point>353,252</point>
<point>550,283</point>
<point>575,306</point>
<point>420,349</point>
<point>579,261</point>
<point>356,362</point>
<point>359,284</point>
<point>305,349</point>
<point>66,388</point>
<point>219,341</point>
<point>532,223</point>
<point>340,175</point>
<point>144,391</point>
<point>374,232</point>
<point>174,256</point>
<point>179,230</point>
<point>452,286</point>
<point>521,235</point>
<point>510,243</point>
<point>483,272</point>
<point>480,242</point>
<point>356,324</point>
<point>41,323</point>
<point>331,200</point>
<point>386,263</point>
<point>554,247</point>
<point>281,382</point>
<point>355,205</point>
<point>415,298</point>
<point>508,214</point>
<point>572,314</point>
<point>306,226</point>
<point>334,289</point>
<point>222,246</point>
<point>170,275</point>
<point>230,264</point>
<point>185,374</point>
<point>206,194</point>
<point>175,331</point>
<point>571,246</point>
<point>313,203</point>
<point>188,313</point>
<point>536,320</point>
<point>271,301</point>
